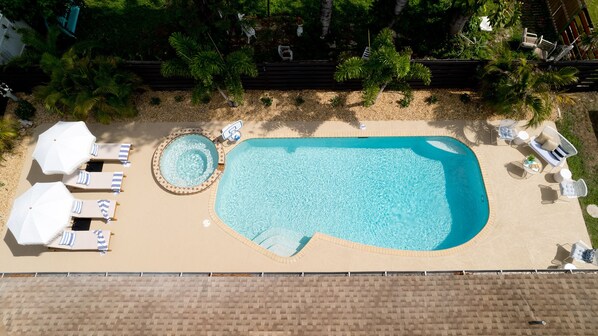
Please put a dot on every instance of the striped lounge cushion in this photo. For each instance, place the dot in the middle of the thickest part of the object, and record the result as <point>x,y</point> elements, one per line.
<point>83,178</point>
<point>123,153</point>
<point>77,206</point>
<point>68,238</point>
<point>559,153</point>
<point>117,180</point>
<point>94,149</point>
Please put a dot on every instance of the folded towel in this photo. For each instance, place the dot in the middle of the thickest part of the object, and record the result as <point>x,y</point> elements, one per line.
<point>94,149</point>
<point>123,153</point>
<point>68,238</point>
<point>104,206</point>
<point>102,246</point>
<point>77,206</point>
<point>117,180</point>
<point>83,178</point>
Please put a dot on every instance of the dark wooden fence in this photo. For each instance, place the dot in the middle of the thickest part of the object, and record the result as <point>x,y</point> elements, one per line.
<point>315,75</point>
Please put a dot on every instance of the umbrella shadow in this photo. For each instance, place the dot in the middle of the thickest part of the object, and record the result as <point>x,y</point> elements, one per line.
<point>22,250</point>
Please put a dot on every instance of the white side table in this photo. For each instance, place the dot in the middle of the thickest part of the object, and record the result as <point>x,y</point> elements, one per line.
<point>563,174</point>
<point>521,138</point>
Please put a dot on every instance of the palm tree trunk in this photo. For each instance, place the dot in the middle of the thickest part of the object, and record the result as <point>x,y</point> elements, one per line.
<point>458,23</point>
<point>399,6</point>
<point>325,16</point>
<point>380,92</point>
<point>229,101</point>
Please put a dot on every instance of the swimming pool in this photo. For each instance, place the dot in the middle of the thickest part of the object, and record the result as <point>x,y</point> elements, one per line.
<point>409,193</point>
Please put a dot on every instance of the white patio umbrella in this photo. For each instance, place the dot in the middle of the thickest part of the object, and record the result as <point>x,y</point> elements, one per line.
<point>64,147</point>
<point>40,213</point>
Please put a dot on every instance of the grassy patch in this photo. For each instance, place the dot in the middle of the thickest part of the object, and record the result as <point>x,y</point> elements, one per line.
<point>580,169</point>
<point>593,10</point>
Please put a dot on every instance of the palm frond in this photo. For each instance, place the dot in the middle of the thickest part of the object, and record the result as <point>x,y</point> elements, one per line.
<point>184,46</point>
<point>175,68</point>
<point>351,68</point>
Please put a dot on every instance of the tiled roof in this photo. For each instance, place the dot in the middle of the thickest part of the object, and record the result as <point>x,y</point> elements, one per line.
<point>480,304</point>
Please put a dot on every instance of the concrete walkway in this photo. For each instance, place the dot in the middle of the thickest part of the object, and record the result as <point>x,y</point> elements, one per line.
<point>159,231</point>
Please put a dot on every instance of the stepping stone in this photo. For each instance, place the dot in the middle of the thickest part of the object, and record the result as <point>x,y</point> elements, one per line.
<point>593,210</point>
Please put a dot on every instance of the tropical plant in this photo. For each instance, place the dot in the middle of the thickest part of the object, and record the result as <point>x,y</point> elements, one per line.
<point>384,66</point>
<point>37,45</point>
<point>516,87</point>
<point>501,13</point>
<point>589,42</point>
<point>9,132</point>
<point>83,85</point>
<point>30,10</point>
<point>211,70</point>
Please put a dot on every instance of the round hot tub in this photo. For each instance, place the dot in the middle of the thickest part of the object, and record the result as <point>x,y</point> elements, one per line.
<point>187,162</point>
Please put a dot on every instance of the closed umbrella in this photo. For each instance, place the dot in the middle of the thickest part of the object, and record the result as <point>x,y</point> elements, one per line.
<point>64,147</point>
<point>41,213</point>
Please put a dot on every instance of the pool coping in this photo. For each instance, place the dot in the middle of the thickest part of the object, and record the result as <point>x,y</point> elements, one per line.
<point>318,236</point>
<point>157,156</point>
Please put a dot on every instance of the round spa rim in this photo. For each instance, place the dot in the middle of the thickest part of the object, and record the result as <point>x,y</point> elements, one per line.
<point>186,190</point>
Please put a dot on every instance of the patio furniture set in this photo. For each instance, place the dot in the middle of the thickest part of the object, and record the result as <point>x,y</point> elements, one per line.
<point>553,148</point>
<point>545,49</point>
<point>42,215</point>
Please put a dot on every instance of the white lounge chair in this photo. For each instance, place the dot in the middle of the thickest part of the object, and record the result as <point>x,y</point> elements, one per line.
<point>529,40</point>
<point>105,209</point>
<point>581,251</point>
<point>285,53</point>
<point>543,143</point>
<point>96,240</point>
<point>95,180</point>
<point>111,152</point>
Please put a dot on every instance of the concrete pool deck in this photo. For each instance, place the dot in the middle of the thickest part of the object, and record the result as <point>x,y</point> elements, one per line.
<point>160,232</point>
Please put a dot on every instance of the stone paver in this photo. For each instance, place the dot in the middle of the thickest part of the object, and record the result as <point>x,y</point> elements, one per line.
<point>480,304</point>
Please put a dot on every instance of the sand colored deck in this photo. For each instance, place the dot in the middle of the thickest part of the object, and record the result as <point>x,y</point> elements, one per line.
<point>159,231</point>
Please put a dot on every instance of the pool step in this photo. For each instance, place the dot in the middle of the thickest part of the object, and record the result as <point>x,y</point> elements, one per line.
<point>281,241</point>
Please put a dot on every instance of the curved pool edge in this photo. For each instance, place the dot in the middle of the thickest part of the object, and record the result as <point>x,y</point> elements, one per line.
<point>321,237</point>
<point>157,156</point>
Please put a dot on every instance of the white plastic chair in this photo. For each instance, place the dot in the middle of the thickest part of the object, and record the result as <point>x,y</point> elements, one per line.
<point>285,53</point>
<point>529,40</point>
<point>573,189</point>
<point>506,131</point>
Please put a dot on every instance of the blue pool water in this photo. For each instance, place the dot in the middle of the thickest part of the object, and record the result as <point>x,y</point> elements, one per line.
<point>410,193</point>
<point>188,160</point>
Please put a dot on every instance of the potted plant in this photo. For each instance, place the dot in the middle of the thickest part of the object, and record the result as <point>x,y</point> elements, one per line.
<point>530,159</point>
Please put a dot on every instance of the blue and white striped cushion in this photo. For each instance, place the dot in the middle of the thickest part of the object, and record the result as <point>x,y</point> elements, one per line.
<point>68,238</point>
<point>117,180</point>
<point>123,153</point>
<point>83,178</point>
<point>94,149</point>
<point>77,206</point>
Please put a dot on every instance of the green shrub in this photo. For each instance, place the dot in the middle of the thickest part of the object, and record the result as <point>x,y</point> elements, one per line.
<point>407,98</point>
<point>299,100</point>
<point>205,99</point>
<point>179,98</point>
<point>155,101</point>
<point>266,101</point>
<point>465,98</point>
<point>9,132</point>
<point>25,110</point>
<point>337,101</point>
<point>432,100</point>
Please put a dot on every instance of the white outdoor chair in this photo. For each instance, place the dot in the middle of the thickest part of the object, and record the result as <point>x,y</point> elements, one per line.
<point>582,252</point>
<point>529,40</point>
<point>546,47</point>
<point>285,53</point>
<point>506,131</point>
<point>572,189</point>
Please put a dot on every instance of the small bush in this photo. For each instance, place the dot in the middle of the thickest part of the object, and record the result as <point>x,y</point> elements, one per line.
<point>299,100</point>
<point>205,99</point>
<point>465,98</point>
<point>432,100</point>
<point>155,101</point>
<point>406,101</point>
<point>266,101</point>
<point>25,110</point>
<point>179,98</point>
<point>337,101</point>
<point>9,133</point>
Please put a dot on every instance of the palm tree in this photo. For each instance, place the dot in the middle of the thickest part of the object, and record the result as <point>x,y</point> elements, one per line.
<point>516,88</point>
<point>385,65</point>
<point>210,68</point>
<point>589,42</point>
<point>325,16</point>
<point>505,13</point>
<point>83,85</point>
